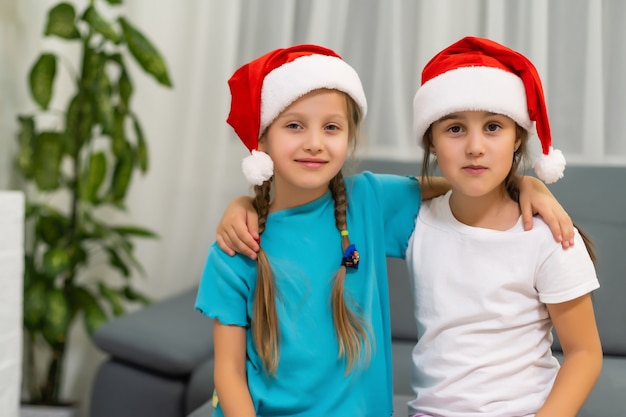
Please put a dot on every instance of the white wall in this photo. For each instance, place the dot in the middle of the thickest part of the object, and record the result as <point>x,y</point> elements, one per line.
<point>11,270</point>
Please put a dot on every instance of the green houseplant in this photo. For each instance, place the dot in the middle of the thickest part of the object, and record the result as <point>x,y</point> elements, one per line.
<point>77,163</point>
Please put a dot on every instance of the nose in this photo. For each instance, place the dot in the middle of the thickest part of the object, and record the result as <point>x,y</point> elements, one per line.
<point>313,142</point>
<point>475,144</point>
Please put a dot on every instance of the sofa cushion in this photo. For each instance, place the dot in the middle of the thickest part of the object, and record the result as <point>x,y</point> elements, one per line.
<point>168,337</point>
<point>120,389</point>
<point>607,396</point>
<point>401,355</point>
<point>403,325</point>
<point>400,405</point>
<point>206,410</point>
<point>200,386</point>
<point>594,197</point>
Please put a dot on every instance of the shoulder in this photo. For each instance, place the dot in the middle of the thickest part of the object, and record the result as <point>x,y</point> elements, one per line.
<point>563,274</point>
<point>543,235</point>
<point>383,183</point>
<point>225,265</point>
<point>435,210</point>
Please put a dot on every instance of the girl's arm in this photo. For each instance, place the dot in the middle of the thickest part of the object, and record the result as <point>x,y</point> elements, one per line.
<point>575,325</point>
<point>433,187</point>
<point>535,197</point>
<point>231,383</point>
<point>238,229</point>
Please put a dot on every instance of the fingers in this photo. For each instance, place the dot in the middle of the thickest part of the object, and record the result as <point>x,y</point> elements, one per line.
<point>567,229</point>
<point>240,241</point>
<point>237,238</point>
<point>245,239</point>
<point>534,198</point>
<point>221,242</point>
<point>555,226</point>
<point>238,230</point>
<point>561,226</point>
<point>252,220</point>
<point>527,214</point>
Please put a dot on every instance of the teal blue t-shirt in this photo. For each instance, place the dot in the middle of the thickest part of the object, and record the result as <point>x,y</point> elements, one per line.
<point>304,249</point>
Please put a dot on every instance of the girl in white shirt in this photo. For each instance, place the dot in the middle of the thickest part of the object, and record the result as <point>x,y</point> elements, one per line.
<point>486,314</point>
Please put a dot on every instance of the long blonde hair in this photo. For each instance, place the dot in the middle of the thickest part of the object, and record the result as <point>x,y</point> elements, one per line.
<point>350,328</point>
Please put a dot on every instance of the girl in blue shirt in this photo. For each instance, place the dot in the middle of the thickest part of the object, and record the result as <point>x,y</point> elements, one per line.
<point>304,330</point>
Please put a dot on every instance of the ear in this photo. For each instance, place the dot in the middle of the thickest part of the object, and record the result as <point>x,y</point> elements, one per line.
<point>262,145</point>
<point>518,143</point>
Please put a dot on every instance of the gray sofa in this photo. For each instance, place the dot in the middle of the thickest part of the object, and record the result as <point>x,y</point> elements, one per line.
<point>160,358</point>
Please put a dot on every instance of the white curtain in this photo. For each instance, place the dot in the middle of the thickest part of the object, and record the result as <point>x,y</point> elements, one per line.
<point>577,45</point>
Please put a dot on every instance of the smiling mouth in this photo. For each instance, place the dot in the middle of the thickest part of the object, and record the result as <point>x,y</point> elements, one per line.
<point>311,163</point>
<point>474,169</point>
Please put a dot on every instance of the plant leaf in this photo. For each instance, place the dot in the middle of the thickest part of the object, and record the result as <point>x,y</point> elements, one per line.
<point>142,147</point>
<point>96,171</point>
<point>133,295</point>
<point>79,121</point>
<point>101,25</point>
<point>98,230</point>
<point>112,297</point>
<point>61,22</point>
<point>114,2</point>
<point>29,270</point>
<point>145,53</point>
<point>82,299</point>
<point>127,247</point>
<point>125,88</point>
<point>55,261</point>
<point>26,137</point>
<point>57,318</point>
<point>48,154</point>
<point>102,98</point>
<point>76,253</point>
<point>116,261</point>
<point>51,227</point>
<point>34,305</point>
<point>94,316</point>
<point>118,133</point>
<point>135,231</point>
<point>122,174</point>
<point>41,78</point>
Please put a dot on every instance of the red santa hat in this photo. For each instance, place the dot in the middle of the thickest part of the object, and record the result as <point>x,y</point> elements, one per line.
<point>263,88</point>
<point>480,74</point>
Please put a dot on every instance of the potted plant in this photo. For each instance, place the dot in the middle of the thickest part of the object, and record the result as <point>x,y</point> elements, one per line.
<point>84,156</point>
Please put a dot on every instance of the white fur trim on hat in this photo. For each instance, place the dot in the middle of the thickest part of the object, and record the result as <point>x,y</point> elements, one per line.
<point>470,89</point>
<point>549,168</point>
<point>292,80</point>
<point>257,167</point>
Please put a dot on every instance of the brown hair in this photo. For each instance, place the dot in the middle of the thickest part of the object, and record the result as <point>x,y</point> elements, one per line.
<point>349,326</point>
<point>511,182</point>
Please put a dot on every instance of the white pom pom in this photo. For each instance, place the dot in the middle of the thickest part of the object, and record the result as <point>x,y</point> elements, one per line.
<point>257,167</point>
<point>550,167</point>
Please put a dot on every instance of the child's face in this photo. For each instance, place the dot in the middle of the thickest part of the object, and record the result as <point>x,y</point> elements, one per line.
<point>308,143</point>
<point>475,150</point>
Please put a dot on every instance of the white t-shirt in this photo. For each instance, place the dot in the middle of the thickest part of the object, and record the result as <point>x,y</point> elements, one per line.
<point>484,330</point>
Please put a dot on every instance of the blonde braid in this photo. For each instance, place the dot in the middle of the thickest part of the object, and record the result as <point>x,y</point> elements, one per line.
<point>350,328</point>
<point>265,332</point>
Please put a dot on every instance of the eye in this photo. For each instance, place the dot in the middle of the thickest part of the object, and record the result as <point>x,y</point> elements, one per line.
<point>332,127</point>
<point>454,129</point>
<point>493,127</point>
<point>293,125</point>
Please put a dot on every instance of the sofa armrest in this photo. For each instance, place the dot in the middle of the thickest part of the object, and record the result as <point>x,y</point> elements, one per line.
<point>206,410</point>
<point>169,336</point>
